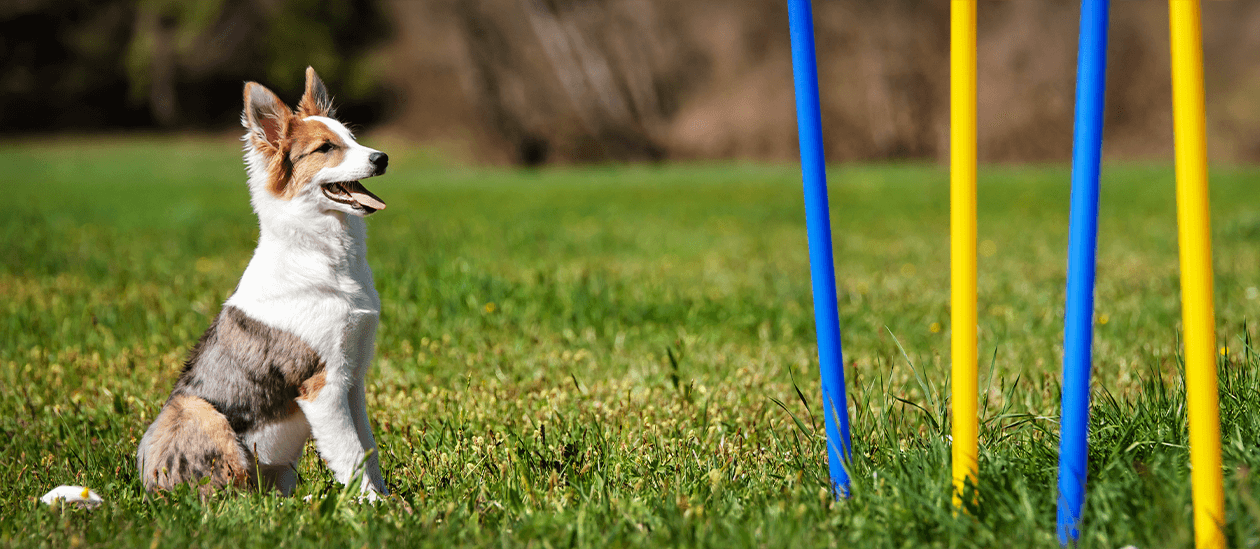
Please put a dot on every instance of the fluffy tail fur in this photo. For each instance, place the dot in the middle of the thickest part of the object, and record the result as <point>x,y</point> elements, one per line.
<point>190,441</point>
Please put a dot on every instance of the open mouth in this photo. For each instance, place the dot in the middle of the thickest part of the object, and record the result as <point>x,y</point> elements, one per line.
<point>353,194</point>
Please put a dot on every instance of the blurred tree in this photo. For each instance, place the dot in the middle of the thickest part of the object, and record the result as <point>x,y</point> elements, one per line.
<point>60,65</point>
<point>540,81</point>
<point>577,80</point>
<point>107,63</point>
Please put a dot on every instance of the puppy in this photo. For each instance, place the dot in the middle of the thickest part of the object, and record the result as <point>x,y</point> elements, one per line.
<point>286,358</point>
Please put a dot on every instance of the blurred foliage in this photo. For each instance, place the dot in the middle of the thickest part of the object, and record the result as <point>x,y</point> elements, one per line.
<point>572,81</point>
<point>129,63</point>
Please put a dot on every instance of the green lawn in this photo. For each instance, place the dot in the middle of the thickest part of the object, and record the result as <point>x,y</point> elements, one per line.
<point>524,393</point>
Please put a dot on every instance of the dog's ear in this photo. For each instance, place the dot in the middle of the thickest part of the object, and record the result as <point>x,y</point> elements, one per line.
<point>315,102</point>
<point>266,116</point>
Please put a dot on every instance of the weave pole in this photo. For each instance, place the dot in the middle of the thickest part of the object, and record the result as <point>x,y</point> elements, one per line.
<point>818,223</point>
<point>1195,243</point>
<point>1078,319</point>
<point>962,242</point>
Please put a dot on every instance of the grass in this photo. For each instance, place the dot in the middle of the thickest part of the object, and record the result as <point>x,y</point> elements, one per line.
<point>612,356</point>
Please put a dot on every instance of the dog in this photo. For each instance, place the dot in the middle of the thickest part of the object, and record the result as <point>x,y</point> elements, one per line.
<point>285,359</point>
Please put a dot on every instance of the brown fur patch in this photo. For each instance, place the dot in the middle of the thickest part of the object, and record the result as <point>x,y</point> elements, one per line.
<point>311,387</point>
<point>279,172</point>
<point>270,122</point>
<point>190,441</point>
<point>307,157</point>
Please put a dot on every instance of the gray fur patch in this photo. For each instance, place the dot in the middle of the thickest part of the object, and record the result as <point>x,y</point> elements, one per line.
<point>249,372</point>
<point>241,375</point>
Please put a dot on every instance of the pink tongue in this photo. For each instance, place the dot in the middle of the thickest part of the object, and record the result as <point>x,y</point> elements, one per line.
<point>362,195</point>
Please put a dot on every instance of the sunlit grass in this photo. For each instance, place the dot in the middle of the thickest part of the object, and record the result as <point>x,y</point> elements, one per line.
<point>524,393</point>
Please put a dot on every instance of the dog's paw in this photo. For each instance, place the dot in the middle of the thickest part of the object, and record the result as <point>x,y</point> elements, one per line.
<point>73,495</point>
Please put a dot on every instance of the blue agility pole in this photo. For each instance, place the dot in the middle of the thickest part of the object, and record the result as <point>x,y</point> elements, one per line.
<point>1078,324</point>
<point>817,219</point>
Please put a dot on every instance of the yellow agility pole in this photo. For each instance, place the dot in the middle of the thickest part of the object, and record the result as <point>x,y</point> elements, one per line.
<point>962,240</point>
<point>1195,241</point>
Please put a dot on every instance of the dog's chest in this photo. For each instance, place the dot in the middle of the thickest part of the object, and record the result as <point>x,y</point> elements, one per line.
<point>334,310</point>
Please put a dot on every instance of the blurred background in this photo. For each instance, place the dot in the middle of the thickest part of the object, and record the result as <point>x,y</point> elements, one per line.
<point>533,82</point>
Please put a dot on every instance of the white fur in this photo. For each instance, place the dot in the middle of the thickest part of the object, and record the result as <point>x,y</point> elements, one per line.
<point>309,276</point>
<point>280,442</point>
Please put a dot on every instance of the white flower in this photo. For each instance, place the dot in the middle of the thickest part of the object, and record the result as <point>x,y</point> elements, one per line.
<point>77,495</point>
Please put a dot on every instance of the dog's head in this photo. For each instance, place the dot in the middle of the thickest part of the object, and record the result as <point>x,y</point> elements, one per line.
<point>305,157</point>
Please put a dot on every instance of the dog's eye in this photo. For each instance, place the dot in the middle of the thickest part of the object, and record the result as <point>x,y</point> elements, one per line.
<point>327,146</point>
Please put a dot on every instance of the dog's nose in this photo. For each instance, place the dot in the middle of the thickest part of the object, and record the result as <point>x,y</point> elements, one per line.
<point>379,160</point>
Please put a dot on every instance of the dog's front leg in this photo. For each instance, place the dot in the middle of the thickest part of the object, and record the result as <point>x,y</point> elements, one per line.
<point>372,468</point>
<point>336,435</point>
<point>362,339</point>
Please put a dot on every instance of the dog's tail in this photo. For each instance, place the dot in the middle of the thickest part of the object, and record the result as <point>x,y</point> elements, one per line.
<point>188,442</point>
